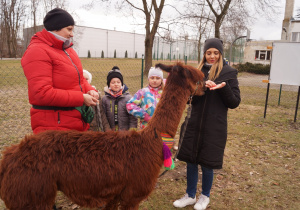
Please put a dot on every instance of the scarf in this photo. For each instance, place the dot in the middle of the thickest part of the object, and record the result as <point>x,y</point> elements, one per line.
<point>155,90</point>
<point>116,94</point>
<point>67,42</point>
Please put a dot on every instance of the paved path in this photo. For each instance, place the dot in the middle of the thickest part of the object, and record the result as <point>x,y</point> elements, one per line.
<point>248,79</point>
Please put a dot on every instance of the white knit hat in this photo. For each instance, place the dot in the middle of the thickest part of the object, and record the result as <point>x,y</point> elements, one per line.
<point>89,75</point>
<point>155,72</point>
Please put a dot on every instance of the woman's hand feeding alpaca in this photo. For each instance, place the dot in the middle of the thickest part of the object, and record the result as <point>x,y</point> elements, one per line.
<point>213,86</point>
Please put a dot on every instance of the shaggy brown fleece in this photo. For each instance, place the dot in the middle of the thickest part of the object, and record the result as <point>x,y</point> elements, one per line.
<point>96,169</point>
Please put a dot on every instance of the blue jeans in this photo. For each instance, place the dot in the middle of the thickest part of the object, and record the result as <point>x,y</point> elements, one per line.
<point>192,179</point>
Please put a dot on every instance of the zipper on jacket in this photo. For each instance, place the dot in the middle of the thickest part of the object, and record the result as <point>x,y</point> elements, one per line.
<point>75,68</point>
<point>58,118</point>
<point>201,122</point>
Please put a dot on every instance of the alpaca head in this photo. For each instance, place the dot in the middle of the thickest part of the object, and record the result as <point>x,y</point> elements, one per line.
<point>186,76</point>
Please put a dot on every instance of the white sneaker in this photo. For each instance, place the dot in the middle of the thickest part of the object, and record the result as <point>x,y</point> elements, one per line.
<point>184,201</point>
<point>202,202</point>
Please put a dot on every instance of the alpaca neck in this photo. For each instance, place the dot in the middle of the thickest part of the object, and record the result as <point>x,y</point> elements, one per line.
<point>169,110</point>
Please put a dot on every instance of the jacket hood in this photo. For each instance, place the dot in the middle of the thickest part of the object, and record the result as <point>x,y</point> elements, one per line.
<point>49,39</point>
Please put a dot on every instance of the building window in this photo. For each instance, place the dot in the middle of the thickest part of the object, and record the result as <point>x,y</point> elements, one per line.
<point>263,55</point>
<point>295,36</point>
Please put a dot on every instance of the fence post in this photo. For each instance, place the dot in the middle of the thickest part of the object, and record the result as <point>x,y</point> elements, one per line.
<point>142,75</point>
<point>279,95</point>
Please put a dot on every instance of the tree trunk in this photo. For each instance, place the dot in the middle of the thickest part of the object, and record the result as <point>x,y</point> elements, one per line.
<point>219,17</point>
<point>150,32</point>
<point>11,16</point>
<point>199,48</point>
<point>148,53</point>
<point>217,27</point>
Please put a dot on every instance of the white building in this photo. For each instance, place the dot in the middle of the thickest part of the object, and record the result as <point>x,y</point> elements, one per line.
<point>97,40</point>
<point>258,52</point>
<point>294,34</point>
<point>111,42</point>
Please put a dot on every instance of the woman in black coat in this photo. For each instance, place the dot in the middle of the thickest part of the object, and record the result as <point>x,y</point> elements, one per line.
<point>206,132</point>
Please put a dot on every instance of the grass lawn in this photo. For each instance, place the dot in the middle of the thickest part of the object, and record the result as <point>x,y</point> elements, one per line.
<point>261,162</point>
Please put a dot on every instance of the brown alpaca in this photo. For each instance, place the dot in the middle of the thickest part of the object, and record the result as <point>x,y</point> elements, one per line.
<point>96,169</point>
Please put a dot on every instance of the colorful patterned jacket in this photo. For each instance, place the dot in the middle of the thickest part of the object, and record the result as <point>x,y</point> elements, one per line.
<point>143,104</point>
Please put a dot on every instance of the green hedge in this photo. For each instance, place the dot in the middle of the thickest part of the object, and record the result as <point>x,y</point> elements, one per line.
<point>253,68</point>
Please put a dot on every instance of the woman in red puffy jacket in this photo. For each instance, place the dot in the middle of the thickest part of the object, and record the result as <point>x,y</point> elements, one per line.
<point>55,77</point>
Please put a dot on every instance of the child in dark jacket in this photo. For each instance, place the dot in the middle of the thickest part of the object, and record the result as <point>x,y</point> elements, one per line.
<point>114,102</point>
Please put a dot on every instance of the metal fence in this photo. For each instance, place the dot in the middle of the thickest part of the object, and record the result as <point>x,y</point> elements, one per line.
<point>15,117</point>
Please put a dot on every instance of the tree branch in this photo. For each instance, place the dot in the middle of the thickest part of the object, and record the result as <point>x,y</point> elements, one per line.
<point>211,8</point>
<point>144,11</point>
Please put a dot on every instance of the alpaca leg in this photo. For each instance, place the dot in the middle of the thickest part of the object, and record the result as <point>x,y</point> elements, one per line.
<point>130,207</point>
<point>28,190</point>
<point>131,203</point>
<point>31,207</point>
<point>111,205</point>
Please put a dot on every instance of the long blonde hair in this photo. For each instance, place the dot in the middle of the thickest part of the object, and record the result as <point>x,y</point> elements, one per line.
<point>216,68</point>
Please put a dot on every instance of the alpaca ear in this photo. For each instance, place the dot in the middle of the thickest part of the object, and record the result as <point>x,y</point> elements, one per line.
<point>164,67</point>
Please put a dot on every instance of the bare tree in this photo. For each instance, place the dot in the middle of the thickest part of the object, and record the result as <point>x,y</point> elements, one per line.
<point>195,19</point>
<point>199,18</point>
<point>219,10</point>
<point>34,8</point>
<point>151,10</point>
<point>51,4</point>
<point>233,13</point>
<point>235,23</point>
<point>202,27</point>
<point>242,10</point>
<point>12,13</point>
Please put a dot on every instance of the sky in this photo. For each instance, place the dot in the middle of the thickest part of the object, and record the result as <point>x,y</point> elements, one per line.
<point>110,19</point>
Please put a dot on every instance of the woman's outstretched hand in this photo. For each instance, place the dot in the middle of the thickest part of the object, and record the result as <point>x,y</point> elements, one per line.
<point>213,86</point>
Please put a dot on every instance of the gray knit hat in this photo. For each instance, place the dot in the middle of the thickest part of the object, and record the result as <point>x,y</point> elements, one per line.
<point>155,72</point>
<point>213,43</point>
<point>57,19</point>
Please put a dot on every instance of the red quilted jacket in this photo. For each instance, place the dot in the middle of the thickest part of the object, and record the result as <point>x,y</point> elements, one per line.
<point>55,79</point>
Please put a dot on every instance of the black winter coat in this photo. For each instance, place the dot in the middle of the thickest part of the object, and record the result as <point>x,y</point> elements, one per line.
<point>206,132</point>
